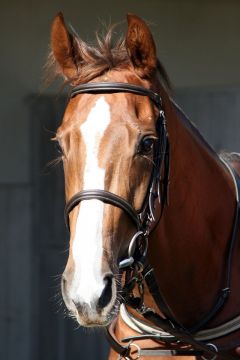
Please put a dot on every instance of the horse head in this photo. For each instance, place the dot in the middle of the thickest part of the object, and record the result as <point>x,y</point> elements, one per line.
<point>107,141</point>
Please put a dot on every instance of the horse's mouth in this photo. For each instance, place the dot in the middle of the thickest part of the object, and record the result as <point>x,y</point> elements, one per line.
<point>97,311</point>
<point>91,318</point>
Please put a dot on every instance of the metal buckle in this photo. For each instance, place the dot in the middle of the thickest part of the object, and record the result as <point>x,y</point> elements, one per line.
<point>131,249</point>
<point>214,348</point>
<point>138,350</point>
<point>126,262</point>
<point>132,245</point>
<point>131,344</point>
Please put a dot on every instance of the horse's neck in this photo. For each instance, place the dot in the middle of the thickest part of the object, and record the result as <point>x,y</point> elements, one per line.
<point>188,248</point>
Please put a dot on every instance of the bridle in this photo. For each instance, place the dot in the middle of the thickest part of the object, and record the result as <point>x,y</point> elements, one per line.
<point>135,265</point>
<point>157,189</point>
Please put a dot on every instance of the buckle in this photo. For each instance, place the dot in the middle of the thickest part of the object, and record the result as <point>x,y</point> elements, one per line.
<point>135,357</point>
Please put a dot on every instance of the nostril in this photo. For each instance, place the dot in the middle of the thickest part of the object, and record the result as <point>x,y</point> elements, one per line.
<point>79,306</point>
<point>107,292</point>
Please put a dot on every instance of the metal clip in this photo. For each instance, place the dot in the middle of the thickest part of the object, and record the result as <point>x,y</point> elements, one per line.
<point>138,351</point>
<point>132,245</point>
<point>126,262</point>
<point>214,348</point>
<point>131,344</point>
<point>131,249</point>
<point>123,357</point>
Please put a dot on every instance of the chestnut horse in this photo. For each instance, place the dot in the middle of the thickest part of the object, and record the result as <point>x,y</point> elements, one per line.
<point>113,150</point>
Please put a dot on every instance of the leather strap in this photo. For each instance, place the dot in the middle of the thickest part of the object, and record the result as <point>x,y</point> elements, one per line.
<point>109,87</point>
<point>142,327</point>
<point>226,288</point>
<point>170,352</point>
<point>144,219</point>
<point>124,351</point>
<point>104,196</point>
<point>113,341</point>
<point>170,324</point>
<point>185,337</point>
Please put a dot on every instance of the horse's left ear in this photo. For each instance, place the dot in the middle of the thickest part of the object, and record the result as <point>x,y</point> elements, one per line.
<point>140,46</point>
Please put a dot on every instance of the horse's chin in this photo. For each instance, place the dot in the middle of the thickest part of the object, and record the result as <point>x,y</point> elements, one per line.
<point>93,324</point>
<point>97,320</point>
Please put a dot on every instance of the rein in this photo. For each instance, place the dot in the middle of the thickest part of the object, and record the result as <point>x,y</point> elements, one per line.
<point>137,271</point>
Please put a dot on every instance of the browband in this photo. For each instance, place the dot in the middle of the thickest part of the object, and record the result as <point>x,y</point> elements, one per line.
<point>107,87</point>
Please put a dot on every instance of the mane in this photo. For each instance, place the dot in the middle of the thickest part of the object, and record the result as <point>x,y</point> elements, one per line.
<point>106,54</point>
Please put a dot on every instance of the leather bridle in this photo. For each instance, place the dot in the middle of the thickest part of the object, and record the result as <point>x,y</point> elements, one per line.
<point>137,270</point>
<point>157,188</point>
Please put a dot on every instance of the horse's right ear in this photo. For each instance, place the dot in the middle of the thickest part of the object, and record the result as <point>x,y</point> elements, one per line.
<point>64,47</point>
<point>140,46</point>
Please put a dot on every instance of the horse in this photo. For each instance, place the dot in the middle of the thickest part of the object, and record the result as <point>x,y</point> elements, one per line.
<point>152,209</point>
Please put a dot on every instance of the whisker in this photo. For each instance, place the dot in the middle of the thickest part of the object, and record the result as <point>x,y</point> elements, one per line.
<point>49,131</point>
<point>54,162</point>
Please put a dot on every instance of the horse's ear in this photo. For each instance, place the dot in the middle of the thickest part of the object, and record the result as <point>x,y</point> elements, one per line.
<point>64,47</point>
<point>141,46</point>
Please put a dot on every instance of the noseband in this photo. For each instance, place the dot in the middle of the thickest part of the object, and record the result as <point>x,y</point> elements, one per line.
<point>157,189</point>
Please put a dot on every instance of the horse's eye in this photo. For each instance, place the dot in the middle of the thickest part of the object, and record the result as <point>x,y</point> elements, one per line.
<point>146,145</point>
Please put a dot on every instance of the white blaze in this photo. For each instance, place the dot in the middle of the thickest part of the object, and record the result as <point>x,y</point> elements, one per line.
<point>88,282</point>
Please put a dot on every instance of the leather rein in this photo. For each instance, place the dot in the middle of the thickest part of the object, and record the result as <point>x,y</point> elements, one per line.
<point>177,339</point>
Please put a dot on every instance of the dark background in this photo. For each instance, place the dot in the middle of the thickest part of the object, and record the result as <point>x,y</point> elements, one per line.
<point>198,42</point>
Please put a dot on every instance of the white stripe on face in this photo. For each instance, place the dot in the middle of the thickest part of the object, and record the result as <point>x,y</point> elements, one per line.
<point>87,246</point>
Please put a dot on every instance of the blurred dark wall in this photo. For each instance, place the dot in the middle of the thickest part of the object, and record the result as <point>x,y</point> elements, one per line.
<point>197,42</point>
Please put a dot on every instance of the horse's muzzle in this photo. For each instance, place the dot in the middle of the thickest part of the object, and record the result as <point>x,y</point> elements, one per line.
<point>94,311</point>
